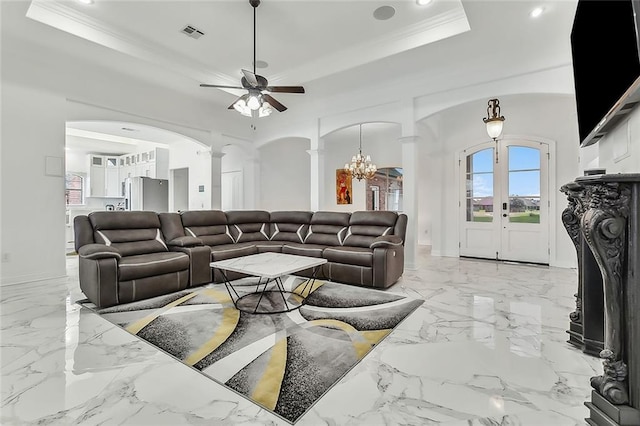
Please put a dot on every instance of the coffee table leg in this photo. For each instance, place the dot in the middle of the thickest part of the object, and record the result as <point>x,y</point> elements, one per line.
<point>229,288</point>
<point>311,281</point>
<point>261,293</point>
<point>282,291</point>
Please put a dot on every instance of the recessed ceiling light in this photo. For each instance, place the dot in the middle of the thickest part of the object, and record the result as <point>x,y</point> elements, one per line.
<point>423,2</point>
<point>85,1</point>
<point>383,13</point>
<point>536,12</point>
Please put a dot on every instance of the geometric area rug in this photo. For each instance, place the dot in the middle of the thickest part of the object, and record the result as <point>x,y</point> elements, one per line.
<point>283,362</point>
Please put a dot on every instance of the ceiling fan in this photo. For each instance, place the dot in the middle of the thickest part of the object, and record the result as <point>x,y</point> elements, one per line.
<point>256,103</point>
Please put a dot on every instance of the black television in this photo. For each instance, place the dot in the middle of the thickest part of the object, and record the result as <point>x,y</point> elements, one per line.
<point>605,48</point>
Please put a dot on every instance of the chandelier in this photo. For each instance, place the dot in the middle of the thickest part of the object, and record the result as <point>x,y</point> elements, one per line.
<point>361,166</point>
<point>494,120</point>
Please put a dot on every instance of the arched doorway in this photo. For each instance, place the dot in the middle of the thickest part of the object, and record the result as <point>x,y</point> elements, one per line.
<point>504,201</point>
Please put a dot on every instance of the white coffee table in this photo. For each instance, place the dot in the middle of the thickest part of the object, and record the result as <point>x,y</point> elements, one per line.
<point>269,267</point>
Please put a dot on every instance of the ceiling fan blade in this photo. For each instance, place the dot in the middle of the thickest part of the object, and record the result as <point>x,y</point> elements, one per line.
<point>251,78</point>
<point>273,102</point>
<point>285,89</point>
<point>245,96</point>
<point>219,86</point>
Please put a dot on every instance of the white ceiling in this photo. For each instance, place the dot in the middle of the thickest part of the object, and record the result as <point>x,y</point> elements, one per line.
<point>330,47</point>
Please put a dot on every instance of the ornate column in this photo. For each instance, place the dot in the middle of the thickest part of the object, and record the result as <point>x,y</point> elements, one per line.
<point>604,226</point>
<point>586,326</point>
<point>571,221</point>
<point>610,225</point>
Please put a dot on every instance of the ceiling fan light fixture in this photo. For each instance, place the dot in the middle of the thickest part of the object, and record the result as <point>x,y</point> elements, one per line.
<point>265,110</point>
<point>254,102</point>
<point>241,106</point>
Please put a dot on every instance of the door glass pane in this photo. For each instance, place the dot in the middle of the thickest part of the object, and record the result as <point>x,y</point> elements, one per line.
<point>524,185</point>
<point>479,186</point>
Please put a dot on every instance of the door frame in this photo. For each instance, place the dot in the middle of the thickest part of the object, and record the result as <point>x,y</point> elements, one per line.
<point>553,191</point>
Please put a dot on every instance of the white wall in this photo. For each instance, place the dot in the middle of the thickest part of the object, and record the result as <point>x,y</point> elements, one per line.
<point>549,117</point>
<point>33,216</point>
<point>284,175</point>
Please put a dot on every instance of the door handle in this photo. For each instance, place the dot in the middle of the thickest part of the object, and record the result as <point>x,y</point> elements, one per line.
<point>504,215</point>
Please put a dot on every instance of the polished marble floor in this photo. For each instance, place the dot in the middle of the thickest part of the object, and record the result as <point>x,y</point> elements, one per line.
<point>488,347</point>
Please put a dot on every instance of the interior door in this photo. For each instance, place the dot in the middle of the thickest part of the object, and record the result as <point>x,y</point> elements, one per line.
<point>232,194</point>
<point>504,201</point>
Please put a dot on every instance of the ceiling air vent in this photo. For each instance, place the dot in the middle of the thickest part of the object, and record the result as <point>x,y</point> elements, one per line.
<point>192,32</point>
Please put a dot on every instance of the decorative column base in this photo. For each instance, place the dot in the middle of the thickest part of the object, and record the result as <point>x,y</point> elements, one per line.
<point>604,413</point>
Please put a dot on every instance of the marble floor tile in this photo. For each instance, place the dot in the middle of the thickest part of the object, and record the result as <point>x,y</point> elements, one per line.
<point>487,347</point>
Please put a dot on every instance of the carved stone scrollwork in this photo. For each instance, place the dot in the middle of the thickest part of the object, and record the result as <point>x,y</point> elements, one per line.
<point>604,227</point>
<point>571,220</point>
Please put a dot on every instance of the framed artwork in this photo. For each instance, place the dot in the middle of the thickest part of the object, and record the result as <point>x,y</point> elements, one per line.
<point>344,190</point>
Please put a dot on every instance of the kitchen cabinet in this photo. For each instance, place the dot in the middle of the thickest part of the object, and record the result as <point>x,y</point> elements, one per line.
<point>152,163</point>
<point>104,179</point>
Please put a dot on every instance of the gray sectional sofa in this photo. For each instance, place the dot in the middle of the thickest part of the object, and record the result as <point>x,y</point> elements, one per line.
<point>134,255</point>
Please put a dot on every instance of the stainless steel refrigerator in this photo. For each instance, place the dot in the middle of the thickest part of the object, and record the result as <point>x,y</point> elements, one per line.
<point>145,193</point>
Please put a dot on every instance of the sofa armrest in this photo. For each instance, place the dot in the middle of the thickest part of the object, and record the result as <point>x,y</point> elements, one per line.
<point>199,259</point>
<point>386,241</point>
<point>98,273</point>
<point>186,241</point>
<point>388,265</point>
<point>98,251</point>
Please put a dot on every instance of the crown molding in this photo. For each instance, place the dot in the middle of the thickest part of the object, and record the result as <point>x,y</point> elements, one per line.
<point>67,19</point>
<point>451,22</point>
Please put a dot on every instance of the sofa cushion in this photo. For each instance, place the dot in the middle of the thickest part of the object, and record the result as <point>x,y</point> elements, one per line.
<point>273,246</point>
<point>147,265</point>
<point>130,232</point>
<point>375,218</point>
<point>328,228</point>
<point>249,225</point>
<point>210,226</point>
<point>229,251</point>
<point>350,255</point>
<point>290,225</point>
<point>309,250</point>
<point>365,227</point>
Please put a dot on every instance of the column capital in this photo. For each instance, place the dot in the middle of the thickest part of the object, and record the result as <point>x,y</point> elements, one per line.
<point>409,139</point>
<point>217,154</point>
<point>315,152</point>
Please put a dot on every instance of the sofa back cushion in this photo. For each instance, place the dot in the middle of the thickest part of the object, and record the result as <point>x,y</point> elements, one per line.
<point>290,225</point>
<point>249,225</point>
<point>131,232</point>
<point>208,225</point>
<point>365,226</point>
<point>328,228</point>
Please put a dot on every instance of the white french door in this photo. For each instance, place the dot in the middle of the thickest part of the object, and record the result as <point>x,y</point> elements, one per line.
<point>504,201</point>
